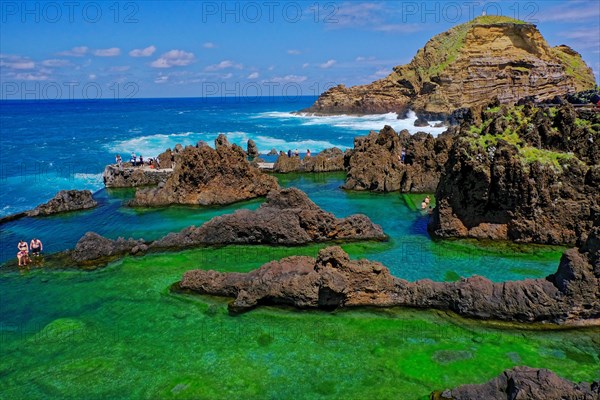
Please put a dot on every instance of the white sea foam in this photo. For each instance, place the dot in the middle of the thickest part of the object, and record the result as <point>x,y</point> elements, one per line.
<point>363,123</point>
<point>153,145</point>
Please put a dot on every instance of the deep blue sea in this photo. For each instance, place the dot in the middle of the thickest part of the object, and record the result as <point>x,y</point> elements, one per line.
<point>46,146</point>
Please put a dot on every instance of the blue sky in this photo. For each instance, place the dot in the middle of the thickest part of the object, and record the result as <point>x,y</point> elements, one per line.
<point>90,49</point>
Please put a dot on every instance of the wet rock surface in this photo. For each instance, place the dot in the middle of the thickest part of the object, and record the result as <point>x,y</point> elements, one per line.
<point>129,176</point>
<point>63,201</point>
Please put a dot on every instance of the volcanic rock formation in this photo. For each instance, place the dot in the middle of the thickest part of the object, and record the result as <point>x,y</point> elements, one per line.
<point>570,296</point>
<point>327,160</point>
<point>375,162</point>
<point>526,174</point>
<point>469,65</point>
<point>206,176</point>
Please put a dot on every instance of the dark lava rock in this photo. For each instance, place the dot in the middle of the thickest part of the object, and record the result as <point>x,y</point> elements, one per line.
<point>65,200</point>
<point>327,160</point>
<point>523,383</point>
<point>206,176</point>
<point>375,162</point>
<point>252,149</point>
<point>420,122</point>
<point>288,217</point>
<point>92,248</point>
<point>571,296</point>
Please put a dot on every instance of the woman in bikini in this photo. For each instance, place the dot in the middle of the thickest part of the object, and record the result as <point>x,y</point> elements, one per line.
<point>22,255</point>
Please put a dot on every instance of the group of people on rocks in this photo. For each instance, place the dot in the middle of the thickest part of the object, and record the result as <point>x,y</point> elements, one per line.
<point>137,162</point>
<point>296,153</point>
<point>35,246</point>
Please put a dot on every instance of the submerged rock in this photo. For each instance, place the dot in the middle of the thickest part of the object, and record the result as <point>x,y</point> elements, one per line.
<point>288,217</point>
<point>376,163</point>
<point>570,296</point>
<point>523,383</point>
<point>206,176</point>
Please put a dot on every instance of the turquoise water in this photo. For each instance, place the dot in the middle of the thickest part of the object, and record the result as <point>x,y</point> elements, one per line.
<point>119,332</point>
<point>409,253</point>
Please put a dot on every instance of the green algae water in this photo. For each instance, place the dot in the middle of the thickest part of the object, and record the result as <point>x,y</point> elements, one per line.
<point>119,332</point>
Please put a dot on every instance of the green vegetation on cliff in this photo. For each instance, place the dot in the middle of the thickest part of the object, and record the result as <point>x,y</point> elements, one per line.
<point>447,45</point>
<point>513,125</point>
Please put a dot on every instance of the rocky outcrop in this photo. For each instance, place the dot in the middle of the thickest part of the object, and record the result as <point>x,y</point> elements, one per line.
<point>127,176</point>
<point>288,217</point>
<point>375,163</point>
<point>63,201</point>
<point>206,176</point>
<point>525,174</point>
<point>469,65</point>
<point>571,296</point>
<point>94,249</point>
<point>252,150</point>
<point>523,383</point>
<point>328,160</point>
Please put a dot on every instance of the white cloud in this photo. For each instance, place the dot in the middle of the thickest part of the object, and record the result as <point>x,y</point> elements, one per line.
<point>294,52</point>
<point>147,52</point>
<point>31,77</point>
<point>79,51</point>
<point>253,75</point>
<point>289,78</point>
<point>55,62</point>
<point>173,58</point>
<point>119,68</point>
<point>223,65</point>
<point>161,79</point>
<point>227,75</point>
<point>327,64</point>
<point>16,62</point>
<point>583,38</point>
<point>92,76</point>
<point>209,45</point>
<point>398,28</point>
<point>112,52</point>
<point>305,65</point>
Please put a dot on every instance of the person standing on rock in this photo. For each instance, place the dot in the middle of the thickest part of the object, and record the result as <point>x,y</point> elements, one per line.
<point>133,159</point>
<point>307,152</point>
<point>290,153</point>
<point>402,156</point>
<point>22,255</point>
<point>141,161</point>
<point>119,162</point>
<point>36,247</point>
<point>296,153</point>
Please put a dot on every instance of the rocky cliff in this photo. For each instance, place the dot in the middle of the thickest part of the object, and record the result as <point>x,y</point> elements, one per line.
<point>526,174</point>
<point>375,163</point>
<point>571,296</point>
<point>206,176</point>
<point>469,65</point>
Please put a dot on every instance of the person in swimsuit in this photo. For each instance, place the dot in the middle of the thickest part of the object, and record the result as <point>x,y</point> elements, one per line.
<point>22,255</point>
<point>36,247</point>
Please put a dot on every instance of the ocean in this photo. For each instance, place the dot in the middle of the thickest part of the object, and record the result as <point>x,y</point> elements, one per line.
<point>47,146</point>
<point>119,332</point>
